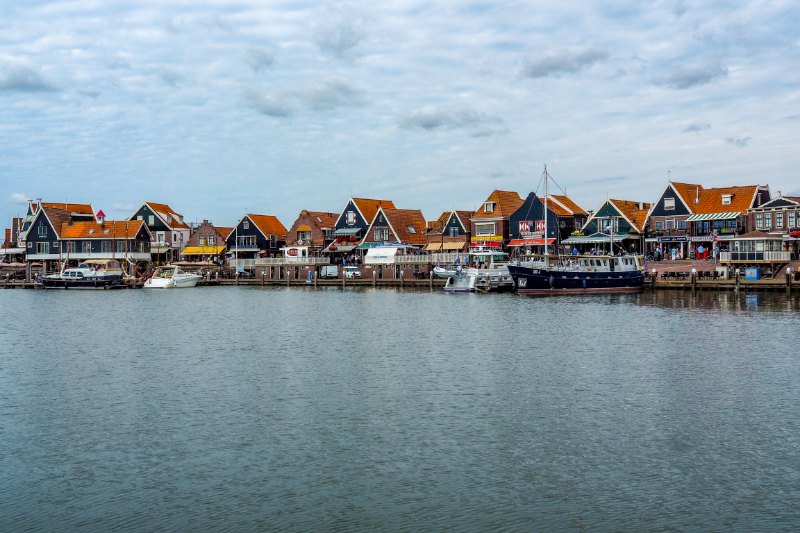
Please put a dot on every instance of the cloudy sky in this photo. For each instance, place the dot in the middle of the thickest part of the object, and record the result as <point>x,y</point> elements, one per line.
<point>225,106</point>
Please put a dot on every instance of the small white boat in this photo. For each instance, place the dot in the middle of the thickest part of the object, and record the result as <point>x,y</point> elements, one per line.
<point>488,272</point>
<point>171,276</point>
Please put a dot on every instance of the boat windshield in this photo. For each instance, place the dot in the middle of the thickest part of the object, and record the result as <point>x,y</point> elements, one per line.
<point>165,273</point>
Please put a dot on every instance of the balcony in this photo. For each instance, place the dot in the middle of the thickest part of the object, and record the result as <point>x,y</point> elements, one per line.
<point>755,257</point>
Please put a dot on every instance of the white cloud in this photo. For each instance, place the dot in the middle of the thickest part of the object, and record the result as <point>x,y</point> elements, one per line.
<point>18,198</point>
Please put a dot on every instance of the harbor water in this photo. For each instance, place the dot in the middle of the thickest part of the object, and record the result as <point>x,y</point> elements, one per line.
<point>249,408</point>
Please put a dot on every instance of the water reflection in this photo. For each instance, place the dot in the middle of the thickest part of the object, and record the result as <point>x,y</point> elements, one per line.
<point>722,301</point>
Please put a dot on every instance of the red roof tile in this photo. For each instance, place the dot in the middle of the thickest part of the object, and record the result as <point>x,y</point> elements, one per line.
<point>110,229</point>
<point>369,206</point>
<point>505,203</point>
<point>408,224</point>
<point>269,225</point>
<point>171,217</point>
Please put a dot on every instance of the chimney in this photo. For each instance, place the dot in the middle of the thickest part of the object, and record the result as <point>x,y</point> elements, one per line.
<point>758,199</point>
<point>641,206</point>
<point>101,217</point>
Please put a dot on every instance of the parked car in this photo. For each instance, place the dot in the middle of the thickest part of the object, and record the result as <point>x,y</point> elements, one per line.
<point>352,272</point>
<point>329,271</point>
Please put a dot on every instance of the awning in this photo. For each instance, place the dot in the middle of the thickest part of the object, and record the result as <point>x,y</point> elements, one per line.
<point>12,251</point>
<point>347,231</point>
<point>380,255</point>
<point>530,242</point>
<point>486,244</point>
<point>481,238</point>
<point>202,250</point>
<point>454,245</point>
<point>713,216</point>
<point>432,247</point>
<point>597,238</point>
<point>333,247</point>
<point>303,227</point>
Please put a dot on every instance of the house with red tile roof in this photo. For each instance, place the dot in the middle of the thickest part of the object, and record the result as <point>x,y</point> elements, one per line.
<point>618,225</point>
<point>352,223</point>
<point>170,232</point>
<point>207,243</point>
<point>450,232</point>
<point>390,225</point>
<point>58,237</point>
<point>312,230</point>
<point>694,220</point>
<point>256,236</point>
<point>490,225</point>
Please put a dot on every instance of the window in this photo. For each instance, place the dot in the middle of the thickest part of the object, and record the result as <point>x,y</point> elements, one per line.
<point>726,199</point>
<point>779,220</point>
<point>792,220</point>
<point>454,232</point>
<point>42,229</point>
<point>245,224</point>
<point>682,224</point>
<point>160,237</point>
<point>670,223</point>
<point>201,240</point>
<point>151,220</point>
<point>72,247</point>
<point>350,218</point>
<point>767,220</point>
<point>211,240</point>
<point>174,237</point>
<point>669,204</point>
<point>488,207</point>
<point>304,236</point>
<point>105,247</point>
<point>411,230</point>
<point>121,246</point>
<point>42,247</point>
<point>382,234</point>
<point>759,221</point>
<point>87,247</point>
<point>139,217</point>
<point>484,229</point>
<point>246,241</point>
<point>659,225</point>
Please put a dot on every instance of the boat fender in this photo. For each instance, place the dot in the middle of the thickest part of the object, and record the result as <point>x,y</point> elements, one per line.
<point>552,282</point>
<point>584,283</point>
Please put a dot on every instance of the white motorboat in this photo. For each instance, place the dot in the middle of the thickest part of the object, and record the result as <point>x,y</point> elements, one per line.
<point>171,277</point>
<point>487,271</point>
<point>445,272</point>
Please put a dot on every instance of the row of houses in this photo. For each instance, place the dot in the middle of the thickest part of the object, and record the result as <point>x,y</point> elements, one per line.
<point>687,220</point>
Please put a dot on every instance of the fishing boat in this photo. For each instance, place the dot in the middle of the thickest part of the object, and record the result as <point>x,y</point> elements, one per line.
<point>580,275</point>
<point>486,271</point>
<point>90,274</point>
<point>577,274</point>
<point>171,277</point>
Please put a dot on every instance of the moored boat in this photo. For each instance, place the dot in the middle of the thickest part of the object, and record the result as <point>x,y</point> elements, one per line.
<point>171,277</point>
<point>90,274</point>
<point>580,275</point>
<point>487,271</point>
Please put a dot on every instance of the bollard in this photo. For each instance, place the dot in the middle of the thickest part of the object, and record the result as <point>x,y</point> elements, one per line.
<point>263,280</point>
<point>430,274</point>
<point>401,278</point>
<point>736,277</point>
<point>655,275</point>
<point>694,278</point>
<point>788,279</point>
<point>315,279</point>
<point>374,279</point>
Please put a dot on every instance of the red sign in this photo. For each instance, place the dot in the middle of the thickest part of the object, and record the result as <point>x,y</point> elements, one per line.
<point>291,252</point>
<point>540,225</point>
<point>524,226</point>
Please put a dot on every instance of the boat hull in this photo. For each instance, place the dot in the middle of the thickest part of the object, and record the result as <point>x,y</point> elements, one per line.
<point>83,284</point>
<point>169,283</point>
<point>543,281</point>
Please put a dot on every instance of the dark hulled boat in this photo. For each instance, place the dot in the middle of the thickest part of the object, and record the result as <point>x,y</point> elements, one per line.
<point>579,275</point>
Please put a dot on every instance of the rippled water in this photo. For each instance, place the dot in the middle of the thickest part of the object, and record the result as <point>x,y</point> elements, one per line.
<point>292,409</point>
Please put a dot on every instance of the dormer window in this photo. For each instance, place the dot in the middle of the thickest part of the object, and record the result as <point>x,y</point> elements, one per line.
<point>488,207</point>
<point>669,204</point>
<point>412,230</point>
<point>726,199</point>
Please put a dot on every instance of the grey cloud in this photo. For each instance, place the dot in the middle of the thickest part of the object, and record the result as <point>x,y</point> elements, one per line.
<point>696,127</point>
<point>339,39</point>
<point>741,142</point>
<point>334,94</point>
<point>680,8</point>
<point>563,62</point>
<point>266,104</point>
<point>260,58</point>
<point>169,76</point>
<point>15,76</point>
<point>691,76</point>
<point>432,118</point>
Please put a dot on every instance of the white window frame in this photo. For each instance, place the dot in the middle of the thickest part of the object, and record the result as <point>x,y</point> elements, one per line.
<point>42,229</point>
<point>211,240</point>
<point>151,220</point>
<point>669,204</point>
<point>727,199</point>
<point>779,220</point>
<point>43,248</point>
<point>245,224</point>
<point>480,229</point>
<point>768,220</point>
<point>488,207</point>
<point>87,247</point>
<point>759,221</point>
<point>350,218</point>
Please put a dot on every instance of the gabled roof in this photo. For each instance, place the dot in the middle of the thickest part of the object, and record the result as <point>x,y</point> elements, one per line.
<point>635,215</point>
<point>567,203</point>
<point>742,199</point>
<point>782,199</point>
<point>505,203</point>
<point>323,220</point>
<point>57,217</point>
<point>369,206</point>
<point>436,226</point>
<point>223,231</point>
<point>110,229</point>
<point>164,211</point>
<point>403,221</point>
<point>268,225</point>
<point>687,192</point>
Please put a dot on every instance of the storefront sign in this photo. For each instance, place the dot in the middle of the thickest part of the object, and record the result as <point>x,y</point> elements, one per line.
<point>673,239</point>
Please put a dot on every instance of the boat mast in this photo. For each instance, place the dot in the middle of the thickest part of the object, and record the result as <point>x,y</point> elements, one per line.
<point>545,210</point>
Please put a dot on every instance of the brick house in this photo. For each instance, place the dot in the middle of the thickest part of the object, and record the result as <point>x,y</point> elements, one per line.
<point>207,243</point>
<point>490,223</point>
<point>450,232</point>
<point>313,230</point>
<point>779,217</point>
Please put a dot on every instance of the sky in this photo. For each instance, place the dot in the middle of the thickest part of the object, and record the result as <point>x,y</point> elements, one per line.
<point>222,107</point>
